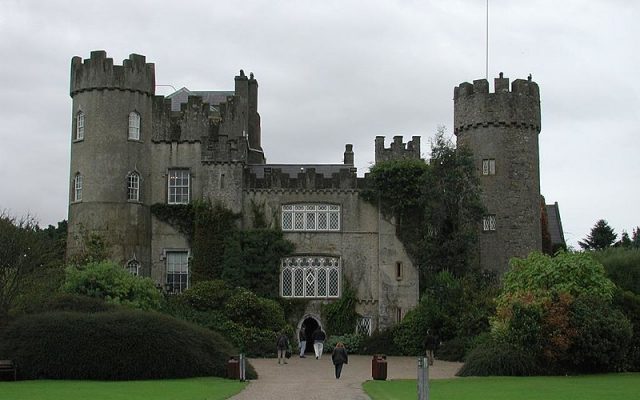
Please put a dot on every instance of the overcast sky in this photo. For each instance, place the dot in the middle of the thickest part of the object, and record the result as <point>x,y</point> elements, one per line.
<point>336,72</point>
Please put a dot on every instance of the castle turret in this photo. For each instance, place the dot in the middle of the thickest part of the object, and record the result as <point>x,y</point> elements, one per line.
<point>501,129</point>
<point>398,149</point>
<point>110,150</point>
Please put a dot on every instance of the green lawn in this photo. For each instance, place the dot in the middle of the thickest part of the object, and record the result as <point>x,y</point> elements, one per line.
<point>169,389</point>
<point>586,387</point>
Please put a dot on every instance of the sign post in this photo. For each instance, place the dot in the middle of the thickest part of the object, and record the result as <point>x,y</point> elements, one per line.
<point>423,378</point>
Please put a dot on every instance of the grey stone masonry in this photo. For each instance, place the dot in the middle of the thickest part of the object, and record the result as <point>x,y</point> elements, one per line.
<point>398,149</point>
<point>501,129</point>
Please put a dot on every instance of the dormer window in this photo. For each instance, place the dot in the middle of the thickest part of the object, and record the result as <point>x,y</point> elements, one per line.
<point>134,126</point>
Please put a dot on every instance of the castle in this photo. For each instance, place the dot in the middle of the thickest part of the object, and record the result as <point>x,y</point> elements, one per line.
<point>131,149</point>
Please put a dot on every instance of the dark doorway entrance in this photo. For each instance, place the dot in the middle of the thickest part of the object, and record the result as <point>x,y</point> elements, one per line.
<point>310,326</point>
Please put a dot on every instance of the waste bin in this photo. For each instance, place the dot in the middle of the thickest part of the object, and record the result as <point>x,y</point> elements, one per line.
<point>379,367</point>
<point>233,368</point>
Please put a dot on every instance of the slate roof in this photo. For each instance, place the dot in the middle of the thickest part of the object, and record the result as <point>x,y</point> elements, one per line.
<point>213,97</point>
<point>555,224</point>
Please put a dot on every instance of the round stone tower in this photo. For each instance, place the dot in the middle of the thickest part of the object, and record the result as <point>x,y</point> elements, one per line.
<point>110,156</point>
<point>501,129</point>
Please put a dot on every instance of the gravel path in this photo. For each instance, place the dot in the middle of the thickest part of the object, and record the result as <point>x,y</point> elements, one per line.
<point>311,379</point>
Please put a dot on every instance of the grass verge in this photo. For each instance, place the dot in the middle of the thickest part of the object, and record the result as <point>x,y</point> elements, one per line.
<point>584,387</point>
<point>168,389</point>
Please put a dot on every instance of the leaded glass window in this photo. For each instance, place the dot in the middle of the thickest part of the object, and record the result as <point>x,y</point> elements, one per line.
<point>489,223</point>
<point>363,326</point>
<point>310,217</point>
<point>133,266</point>
<point>178,185</point>
<point>489,166</point>
<point>310,277</point>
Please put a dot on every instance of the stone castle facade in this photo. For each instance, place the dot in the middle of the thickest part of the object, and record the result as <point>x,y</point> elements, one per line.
<point>131,148</point>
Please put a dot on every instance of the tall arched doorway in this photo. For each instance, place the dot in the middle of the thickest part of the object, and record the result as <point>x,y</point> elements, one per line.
<point>310,325</point>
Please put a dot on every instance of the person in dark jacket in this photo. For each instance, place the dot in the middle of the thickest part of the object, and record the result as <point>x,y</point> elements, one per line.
<point>283,345</point>
<point>430,344</point>
<point>318,342</point>
<point>339,357</point>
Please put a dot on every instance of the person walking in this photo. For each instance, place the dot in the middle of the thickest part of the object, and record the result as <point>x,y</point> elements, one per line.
<point>282,345</point>
<point>430,344</point>
<point>339,357</point>
<point>318,342</point>
<point>302,339</point>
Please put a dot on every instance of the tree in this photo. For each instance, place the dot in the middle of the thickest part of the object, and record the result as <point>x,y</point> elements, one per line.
<point>22,252</point>
<point>436,205</point>
<point>635,237</point>
<point>601,237</point>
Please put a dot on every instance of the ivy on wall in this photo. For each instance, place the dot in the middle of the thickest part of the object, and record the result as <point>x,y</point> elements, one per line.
<point>340,315</point>
<point>436,206</point>
<point>247,258</point>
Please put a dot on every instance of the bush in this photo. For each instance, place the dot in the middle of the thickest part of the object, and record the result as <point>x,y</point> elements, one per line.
<point>603,339</point>
<point>351,342</point>
<point>206,295</point>
<point>381,342</point>
<point>249,322</point>
<point>493,358</point>
<point>245,308</point>
<point>109,281</point>
<point>629,304</point>
<point>452,350</point>
<point>622,266</point>
<point>118,345</point>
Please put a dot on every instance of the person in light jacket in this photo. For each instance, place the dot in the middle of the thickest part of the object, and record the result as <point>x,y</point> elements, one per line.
<point>339,357</point>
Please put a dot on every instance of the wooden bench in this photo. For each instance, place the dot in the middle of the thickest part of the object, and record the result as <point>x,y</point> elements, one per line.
<point>9,366</point>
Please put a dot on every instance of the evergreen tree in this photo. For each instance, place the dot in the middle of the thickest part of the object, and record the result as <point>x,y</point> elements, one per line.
<point>635,237</point>
<point>601,237</point>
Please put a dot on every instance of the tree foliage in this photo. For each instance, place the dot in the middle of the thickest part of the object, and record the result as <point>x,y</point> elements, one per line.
<point>111,282</point>
<point>601,237</point>
<point>251,259</point>
<point>28,256</point>
<point>436,206</point>
<point>340,315</point>
<point>556,308</point>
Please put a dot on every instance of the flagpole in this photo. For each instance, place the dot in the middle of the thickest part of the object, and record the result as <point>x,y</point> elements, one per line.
<point>487,46</point>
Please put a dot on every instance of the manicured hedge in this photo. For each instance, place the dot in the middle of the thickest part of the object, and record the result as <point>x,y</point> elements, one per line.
<point>118,345</point>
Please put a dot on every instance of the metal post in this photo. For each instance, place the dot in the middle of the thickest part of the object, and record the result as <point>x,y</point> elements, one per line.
<point>242,367</point>
<point>423,378</point>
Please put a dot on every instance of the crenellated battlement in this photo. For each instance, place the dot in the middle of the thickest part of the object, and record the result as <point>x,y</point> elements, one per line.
<point>398,149</point>
<point>98,73</point>
<point>301,177</point>
<point>475,105</point>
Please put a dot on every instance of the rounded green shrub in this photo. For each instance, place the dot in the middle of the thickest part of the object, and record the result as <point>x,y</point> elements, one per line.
<point>111,282</point>
<point>245,308</point>
<point>75,302</point>
<point>499,359</point>
<point>119,345</point>
<point>206,295</point>
<point>381,342</point>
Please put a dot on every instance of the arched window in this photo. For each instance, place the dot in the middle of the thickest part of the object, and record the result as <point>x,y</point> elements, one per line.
<point>79,126</point>
<point>133,266</point>
<point>134,125</point>
<point>77,187</point>
<point>310,277</point>
<point>133,186</point>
